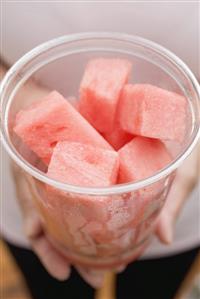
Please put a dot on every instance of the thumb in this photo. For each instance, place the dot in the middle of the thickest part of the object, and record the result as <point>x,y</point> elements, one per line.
<point>164,228</point>
<point>32,225</point>
<point>178,195</point>
<point>94,277</point>
<point>171,209</point>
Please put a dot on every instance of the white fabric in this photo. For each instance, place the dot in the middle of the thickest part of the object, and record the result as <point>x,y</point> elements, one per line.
<point>11,218</point>
<point>173,25</point>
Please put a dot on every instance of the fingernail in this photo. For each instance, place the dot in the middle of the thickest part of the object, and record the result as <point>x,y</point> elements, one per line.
<point>94,277</point>
<point>32,226</point>
<point>64,275</point>
<point>97,281</point>
<point>28,227</point>
<point>169,236</point>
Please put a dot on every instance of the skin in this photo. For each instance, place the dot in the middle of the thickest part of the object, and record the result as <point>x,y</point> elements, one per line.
<point>54,262</point>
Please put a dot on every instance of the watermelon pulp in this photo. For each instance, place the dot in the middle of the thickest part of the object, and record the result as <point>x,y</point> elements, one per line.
<point>51,120</point>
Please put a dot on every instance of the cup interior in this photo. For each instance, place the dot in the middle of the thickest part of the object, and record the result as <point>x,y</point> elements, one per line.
<point>59,65</point>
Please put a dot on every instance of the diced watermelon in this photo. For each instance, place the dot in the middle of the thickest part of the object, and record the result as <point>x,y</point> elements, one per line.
<point>141,158</point>
<point>103,225</point>
<point>152,112</point>
<point>118,137</point>
<point>100,89</point>
<point>71,213</point>
<point>51,120</point>
<point>83,165</point>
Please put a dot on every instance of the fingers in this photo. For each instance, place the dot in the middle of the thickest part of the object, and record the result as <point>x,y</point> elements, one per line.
<point>164,229</point>
<point>52,260</point>
<point>170,212</point>
<point>24,195</point>
<point>121,268</point>
<point>92,276</point>
<point>32,226</point>
<point>184,183</point>
<point>96,277</point>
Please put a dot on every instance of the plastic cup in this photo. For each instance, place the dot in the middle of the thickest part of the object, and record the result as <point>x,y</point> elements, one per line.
<point>99,227</point>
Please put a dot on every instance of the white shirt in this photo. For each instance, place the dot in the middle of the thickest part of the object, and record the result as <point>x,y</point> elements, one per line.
<point>171,24</point>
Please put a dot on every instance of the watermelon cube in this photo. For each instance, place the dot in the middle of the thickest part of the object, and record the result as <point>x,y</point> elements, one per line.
<point>150,111</point>
<point>118,137</point>
<point>100,90</point>
<point>142,157</point>
<point>51,120</point>
<point>84,165</point>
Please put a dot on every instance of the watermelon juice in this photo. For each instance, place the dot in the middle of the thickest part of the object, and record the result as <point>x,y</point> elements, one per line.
<point>101,163</point>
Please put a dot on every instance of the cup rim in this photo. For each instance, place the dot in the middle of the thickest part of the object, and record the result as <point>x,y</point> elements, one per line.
<point>119,188</point>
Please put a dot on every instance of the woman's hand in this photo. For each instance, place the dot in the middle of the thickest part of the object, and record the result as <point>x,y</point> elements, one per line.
<point>186,179</point>
<point>51,259</point>
<point>57,265</point>
<point>54,262</point>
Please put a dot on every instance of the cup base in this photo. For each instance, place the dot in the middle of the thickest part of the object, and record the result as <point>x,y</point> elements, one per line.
<point>106,263</point>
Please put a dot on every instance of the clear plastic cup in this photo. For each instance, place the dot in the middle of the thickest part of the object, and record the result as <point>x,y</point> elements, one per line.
<point>100,227</point>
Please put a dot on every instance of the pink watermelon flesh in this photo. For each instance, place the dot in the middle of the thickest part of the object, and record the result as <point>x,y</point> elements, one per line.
<point>141,158</point>
<point>51,120</point>
<point>79,155</point>
<point>83,165</point>
<point>96,224</point>
<point>153,112</point>
<point>118,137</point>
<point>100,89</point>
